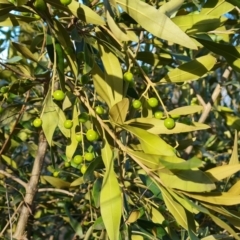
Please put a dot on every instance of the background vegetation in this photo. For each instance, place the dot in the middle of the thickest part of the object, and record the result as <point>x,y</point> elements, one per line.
<point>91,162</point>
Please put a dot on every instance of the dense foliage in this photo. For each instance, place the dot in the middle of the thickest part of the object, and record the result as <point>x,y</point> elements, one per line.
<point>119,119</point>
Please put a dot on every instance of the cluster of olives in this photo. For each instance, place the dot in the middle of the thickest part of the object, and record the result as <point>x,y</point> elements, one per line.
<point>169,122</point>
<point>91,134</point>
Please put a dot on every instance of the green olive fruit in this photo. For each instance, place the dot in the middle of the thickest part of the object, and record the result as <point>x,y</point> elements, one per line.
<point>91,135</point>
<point>88,156</point>
<point>56,173</point>
<point>67,164</point>
<point>83,168</point>
<point>83,117</point>
<point>152,102</point>
<point>37,122</point>
<point>136,104</point>
<point>77,159</point>
<point>99,110</point>
<point>128,77</point>
<point>79,137</point>
<point>65,2</point>
<point>169,123</point>
<point>68,124</point>
<point>40,5</point>
<point>58,95</point>
<point>158,114</point>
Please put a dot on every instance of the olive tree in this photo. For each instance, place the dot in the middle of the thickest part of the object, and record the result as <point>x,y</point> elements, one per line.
<point>119,119</point>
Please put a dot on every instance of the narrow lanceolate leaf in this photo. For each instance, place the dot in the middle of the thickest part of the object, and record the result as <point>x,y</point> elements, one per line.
<point>49,118</point>
<point>171,7</point>
<point>188,180</point>
<point>234,156</point>
<point>217,198</point>
<point>175,208</point>
<point>221,172</point>
<point>119,111</point>
<point>118,33</point>
<point>191,71</point>
<point>221,7</point>
<point>235,189</point>
<point>230,52</point>
<point>156,22</point>
<point>100,84</point>
<point>56,182</point>
<point>156,126</point>
<point>186,110</point>
<point>113,75</point>
<point>25,51</point>
<point>110,197</point>
<point>197,23</point>
<point>151,143</point>
<point>80,11</point>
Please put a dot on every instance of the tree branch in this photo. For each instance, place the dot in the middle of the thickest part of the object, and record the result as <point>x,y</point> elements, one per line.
<point>13,178</point>
<point>31,187</point>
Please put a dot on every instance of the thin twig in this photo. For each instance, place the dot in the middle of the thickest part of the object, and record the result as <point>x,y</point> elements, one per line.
<point>56,190</point>
<point>16,211</point>
<point>16,179</point>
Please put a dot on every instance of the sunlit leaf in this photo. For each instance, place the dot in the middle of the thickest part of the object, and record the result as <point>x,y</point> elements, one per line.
<point>119,111</point>
<point>155,22</point>
<point>191,71</point>
<point>56,182</point>
<point>110,196</point>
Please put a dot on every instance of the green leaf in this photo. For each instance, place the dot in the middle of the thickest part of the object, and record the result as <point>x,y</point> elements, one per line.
<point>156,216</point>
<point>11,20</point>
<point>118,33</point>
<point>220,8</point>
<point>63,37</point>
<point>49,118</point>
<point>155,22</point>
<point>234,156</point>
<point>185,165</point>
<point>224,171</point>
<point>187,180</point>
<point>186,110</point>
<point>77,182</point>
<point>149,160</point>
<point>9,161</point>
<point>25,51</point>
<point>153,58</point>
<point>76,225</point>
<point>113,75</point>
<point>151,143</point>
<point>56,182</point>
<point>230,52</point>
<point>156,126</point>
<point>191,71</point>
<point>175,208</point>
<point>80,11</point>
<point>195,23</point>
<point>119,111</point>
<point>170,8</point>
<point>110,197</point>
<point>100,84</point>
<point>235,189</point>
<point>216,198</point>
